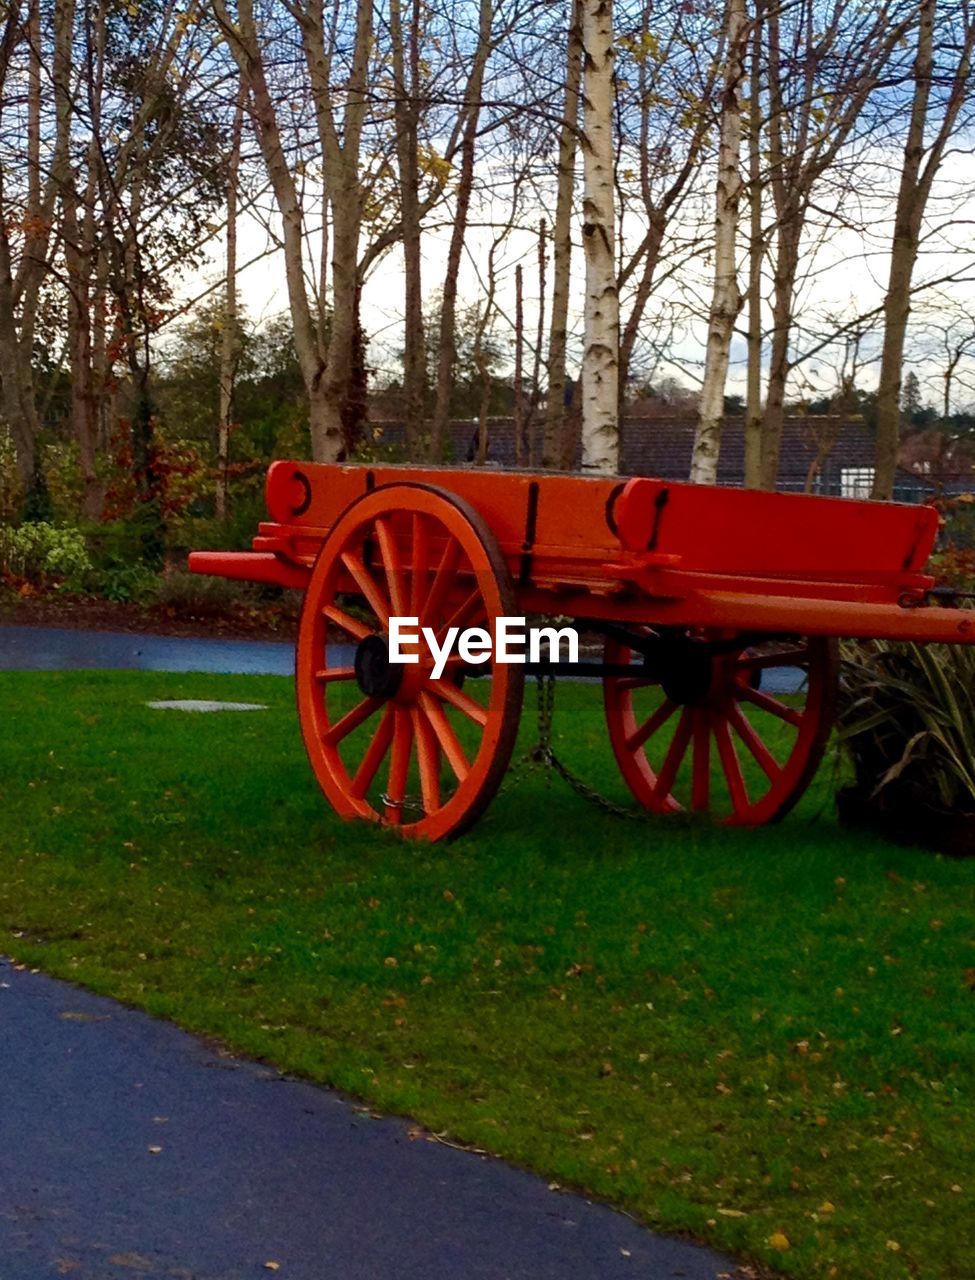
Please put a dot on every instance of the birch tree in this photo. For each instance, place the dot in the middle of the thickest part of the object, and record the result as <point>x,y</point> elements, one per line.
<point>600,362</point>
<point>726,298</point>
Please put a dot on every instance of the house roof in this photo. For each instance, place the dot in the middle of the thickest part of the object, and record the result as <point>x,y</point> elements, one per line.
<point>662,446</point>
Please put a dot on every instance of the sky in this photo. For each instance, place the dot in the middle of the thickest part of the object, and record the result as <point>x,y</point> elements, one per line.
<point>845,275</point>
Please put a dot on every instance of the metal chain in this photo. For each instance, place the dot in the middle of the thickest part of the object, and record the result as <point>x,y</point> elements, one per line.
<point>542,755</point>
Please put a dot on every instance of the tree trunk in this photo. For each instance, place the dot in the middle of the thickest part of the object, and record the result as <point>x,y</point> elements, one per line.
<point>600,362</point>
<point>518,411</point>
<point>405,117</point>
<point>786,266</point>
<point>531,433</point>
<point>756,255</point>
<point>552,451</point>
<point>726,298</point>
<point>230,333</point>
<point>77,257</point>
<point>903,255</point>
<point>631,330</point>
<point>446,353</point>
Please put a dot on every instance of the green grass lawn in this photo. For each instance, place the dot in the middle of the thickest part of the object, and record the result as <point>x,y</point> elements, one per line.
<point>748,1036</point>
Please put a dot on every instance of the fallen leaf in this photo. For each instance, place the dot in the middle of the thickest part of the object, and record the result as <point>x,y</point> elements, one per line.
<point>272,1266</point>
<point>732,1213</point>
<point>155,1151</point>
<point>893,1246</point>
<point>827,1207</point>
<point>778,1240</point>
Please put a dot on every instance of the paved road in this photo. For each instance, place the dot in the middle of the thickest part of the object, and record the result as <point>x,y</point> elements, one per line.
<point>130,1150</point>
<point>63,649</point>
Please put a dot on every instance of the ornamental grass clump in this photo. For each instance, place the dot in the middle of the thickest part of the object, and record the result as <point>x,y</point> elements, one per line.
<point>907,720</point>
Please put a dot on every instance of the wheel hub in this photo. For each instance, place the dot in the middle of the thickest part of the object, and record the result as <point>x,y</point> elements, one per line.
<point>686,672</point>
<point>376,676</point>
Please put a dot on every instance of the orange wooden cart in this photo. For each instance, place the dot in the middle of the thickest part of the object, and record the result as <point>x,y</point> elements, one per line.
<point>697,592</point>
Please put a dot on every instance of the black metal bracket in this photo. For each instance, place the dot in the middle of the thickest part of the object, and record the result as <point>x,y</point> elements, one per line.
<point>946,596</point>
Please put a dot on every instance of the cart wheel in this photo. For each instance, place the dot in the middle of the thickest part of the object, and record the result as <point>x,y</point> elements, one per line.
<point>388,742</point>
<point>695,709</point>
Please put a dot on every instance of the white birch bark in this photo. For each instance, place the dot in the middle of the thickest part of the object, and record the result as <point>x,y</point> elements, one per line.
<point>726,298</point>
<point>600,361</point>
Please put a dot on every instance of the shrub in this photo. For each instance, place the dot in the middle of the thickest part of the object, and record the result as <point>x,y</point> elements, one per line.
<point>191,593</point>
<point>42,553</point>
<point>907,719</point>
<point>123,584</point>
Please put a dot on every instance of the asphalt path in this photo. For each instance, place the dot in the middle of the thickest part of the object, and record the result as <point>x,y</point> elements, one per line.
<point>130,1149</point>
<point>64,649</point>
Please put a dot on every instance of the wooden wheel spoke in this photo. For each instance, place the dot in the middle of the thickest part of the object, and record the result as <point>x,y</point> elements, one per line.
<point>351,626</point>
<point>459,699</point>
<point>419,565</point>
<point>730,764</point>
<point>328,674</point>
<point>675,754</point>
<point>358,715</point>
<point>796,657</point>
<point>701,767</point>
<point>428,759</point>
<point>773,706</point>
<point>442,581</point>
<point>770,766</point>
<point>444,730</point>
<point>399,764</point>
<point>393,566</point>
<point>375,753</point>
<point>470,610</point>
<point>651,725</point>
<point>635,682</point>
<point>755,771</point>
<point>367,585</point>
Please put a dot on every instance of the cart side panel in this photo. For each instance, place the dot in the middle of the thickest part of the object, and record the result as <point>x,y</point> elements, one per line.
<point>524,511</point>
<point>744,532</point>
